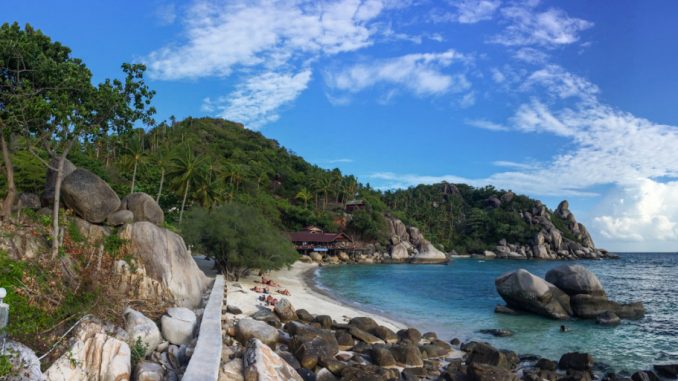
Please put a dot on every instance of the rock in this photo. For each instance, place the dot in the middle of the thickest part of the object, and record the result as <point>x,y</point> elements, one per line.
<point>325,375</point>
<point>89,196</point>
<point>27,200</point>
<point>247,329</point>
<point>344,257</point>
<point>143,207</point>
<point>344,340</point>
<point>400,252</point>
<point>589,307</point>
<point>489,254</point>
<point>483,372</point>
<point>647,375</point>
<point>608,318</point>
<point>428,254</point>
<point>407,355</point>
<point>367,373</point>
<point>260,363</point>
<point>325,321</point>
<point>484,353</point>
<point>304,315</point>
<point>284,310</point>
<point>546,364</point>
<point>411,334</point>
<point>366,324</point>
<point>383,357</point>
<point>267,316</point>
<point>148,371</point>
<point>667,370</point>
<point>385,334</point>
<point>316,257</point>
<point>525,291</point>
<point>119,218</point>
<point>576,361</point>
<point>23,244</point>
<point>164,256</point>
<point>306,374</point>
<point>98,355</point>
<point>178,325</point>
<point>493,202</point>
<point>310,344</point>
<point>232,370</point>
<point>576,375</point>
<point>92,233</point>
<point>499,309</point>
<point>575,279</point>
<point>497,332</point>
<point>25,364</point>
<point>233,310</point>
<point>507,197</point>
<point>139,326</point>
<point>365,336</point>
<point>47,196</point>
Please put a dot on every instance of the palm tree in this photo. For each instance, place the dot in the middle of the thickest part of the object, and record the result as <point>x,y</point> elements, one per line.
<point>133,159</point>
<point>185,170</point>
<point>208,192</point>
<point>162,161</point>
<point>324,185</point>
<point>304,195</point>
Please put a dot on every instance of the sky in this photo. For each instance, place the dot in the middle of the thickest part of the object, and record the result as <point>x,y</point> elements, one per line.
<point>561,100</point>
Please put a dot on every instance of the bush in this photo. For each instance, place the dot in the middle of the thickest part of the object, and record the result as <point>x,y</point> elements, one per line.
<point>239,238</point>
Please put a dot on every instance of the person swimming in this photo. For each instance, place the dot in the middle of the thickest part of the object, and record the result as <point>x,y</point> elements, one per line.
<point>563,328</point>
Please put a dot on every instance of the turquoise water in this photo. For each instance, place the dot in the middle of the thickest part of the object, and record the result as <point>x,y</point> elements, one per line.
<point>457,300</point>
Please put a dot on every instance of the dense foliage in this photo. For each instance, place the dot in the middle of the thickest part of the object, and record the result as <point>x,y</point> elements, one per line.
<point>238,238</point>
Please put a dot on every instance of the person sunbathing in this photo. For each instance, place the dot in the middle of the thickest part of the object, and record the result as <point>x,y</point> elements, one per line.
<point>284,292</point>
<point>257,289</point>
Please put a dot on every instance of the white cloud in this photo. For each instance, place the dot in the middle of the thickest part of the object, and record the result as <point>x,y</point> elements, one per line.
<point>513,164</point>
<point>420,73</point>
<point>256,101</point>
<point>166,13</point>
<point>642,211</point>
<point>342,160</point>
<point>530,55</point>
<point>486,125</point>
<point>549,28</point>
<point>561,83</point>
<point>468,100</point>
<point>467,11</point>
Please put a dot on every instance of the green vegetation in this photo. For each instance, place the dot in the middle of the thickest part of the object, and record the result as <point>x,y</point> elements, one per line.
<point>239,238</point>
<point>5,366</point>
<point>138,351</point>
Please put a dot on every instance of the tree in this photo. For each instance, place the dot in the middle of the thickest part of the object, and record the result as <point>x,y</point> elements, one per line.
<point>304,195</point>
<point>239,238</point>
<point>185,170</point>
<point>161,159</point>
<point>135,157</point>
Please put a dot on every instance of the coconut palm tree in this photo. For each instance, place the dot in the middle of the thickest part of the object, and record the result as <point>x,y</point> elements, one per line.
<point>162,159</point>
<point>185,171</point>
<point>304,195</point>
<point>134,158</point>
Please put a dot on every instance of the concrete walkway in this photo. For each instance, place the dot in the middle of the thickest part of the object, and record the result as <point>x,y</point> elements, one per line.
<point>206,265</point>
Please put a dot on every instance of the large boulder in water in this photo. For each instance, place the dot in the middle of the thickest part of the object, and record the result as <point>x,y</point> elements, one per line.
<point>144,208</point>
<point>47,196</point>
<point>523,290</point>
<point>428,254</point>
<point>89,196</point>
<point>575,279</point>
<point>165,259</point>
<point>590,307</point>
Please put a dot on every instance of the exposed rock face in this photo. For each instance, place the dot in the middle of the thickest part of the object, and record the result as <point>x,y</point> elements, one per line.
<point>260,363</point>
<point>98,355</point>
<point>89,196</point>
<point>429,254</point>
<point>165,259</point>
<point>23,245</point>
<point>575,279</point>
<point>525,291</point>
<point>27,201</point>
<point>139,326</point>
<point>590,307</point>
<point>178,325</point>
<point>120,217</point>
<point>91,232</point>
<point>149,371</point>
<point>284,310</point>
<point>247,329</point>
<point>47,196</point>
<point>144,208</point>
<point>409,245</point>
<point>25,364</point>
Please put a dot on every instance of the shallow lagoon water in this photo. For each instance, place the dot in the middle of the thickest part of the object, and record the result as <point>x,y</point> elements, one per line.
<point>458,299</point>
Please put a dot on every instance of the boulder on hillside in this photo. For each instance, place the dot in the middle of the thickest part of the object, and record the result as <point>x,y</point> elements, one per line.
<point>261,363</point>
<point>100,354</point>
<point>47,196</point>
<point>22,357</point>
<point>523,290</point>
<point>144,208</point>
<point>247,329</point>
<point>138,325</point>
<point>399,252</point>
<point>27,200</point>
<point>178,325</point>
<point>575,279</point>
<point>120,218</point>
<point>89,196</point>
<point>165,259</point>
<point>428,254</point>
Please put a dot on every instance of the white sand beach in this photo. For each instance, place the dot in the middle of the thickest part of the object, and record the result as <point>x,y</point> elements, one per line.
<point>302,296</point>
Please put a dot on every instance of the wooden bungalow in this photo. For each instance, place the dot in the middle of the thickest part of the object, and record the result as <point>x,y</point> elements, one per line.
<point>314,239</point>
<point>354,205</point>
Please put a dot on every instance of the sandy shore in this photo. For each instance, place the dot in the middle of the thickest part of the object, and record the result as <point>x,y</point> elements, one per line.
<point>303,296</point>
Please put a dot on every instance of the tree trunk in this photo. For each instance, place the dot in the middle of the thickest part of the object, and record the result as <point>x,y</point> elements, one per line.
<point>9,172</point>
<point>183,202</point>
<point>57,197</point>
<point>162,180</point>
<point>134,176</point>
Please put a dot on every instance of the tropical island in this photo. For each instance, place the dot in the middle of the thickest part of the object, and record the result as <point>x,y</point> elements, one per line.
<point>133,248</point>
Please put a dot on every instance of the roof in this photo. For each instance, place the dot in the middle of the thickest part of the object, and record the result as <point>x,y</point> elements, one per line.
<point>318,237</point>
<point>355,202</point>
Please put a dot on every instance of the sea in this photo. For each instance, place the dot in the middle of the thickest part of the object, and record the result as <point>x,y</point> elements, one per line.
<point>458,300</point>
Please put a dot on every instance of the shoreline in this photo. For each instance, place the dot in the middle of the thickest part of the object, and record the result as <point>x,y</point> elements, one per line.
<point>298,280</point>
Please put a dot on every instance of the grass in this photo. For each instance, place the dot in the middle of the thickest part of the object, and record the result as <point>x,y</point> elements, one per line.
<point>5,366</point>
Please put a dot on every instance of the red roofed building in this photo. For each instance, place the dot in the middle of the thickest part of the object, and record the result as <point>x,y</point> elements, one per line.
<point>314,239</point>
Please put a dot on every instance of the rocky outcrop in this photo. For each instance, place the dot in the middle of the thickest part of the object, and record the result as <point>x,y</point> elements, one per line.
<point>178,325</point>
<point>138,326</point>
<point>407,244</point>
<point>144,208</point>
<point>261,363</point>
<point>100,354</point>
<point>247,329</point>
<point>165,259</point>
<point>47,196</point>
<point>575,279</point>
<point>89,196</point>
<point>525,291</point>
<point>25,364</point>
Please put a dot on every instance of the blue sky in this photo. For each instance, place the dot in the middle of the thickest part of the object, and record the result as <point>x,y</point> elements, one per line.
<point>558,100</point>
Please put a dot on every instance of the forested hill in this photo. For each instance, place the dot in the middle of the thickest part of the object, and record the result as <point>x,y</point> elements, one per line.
<point>221,162</point>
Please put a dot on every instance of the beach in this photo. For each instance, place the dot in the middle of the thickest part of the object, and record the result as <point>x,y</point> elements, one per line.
<point>297,280</point>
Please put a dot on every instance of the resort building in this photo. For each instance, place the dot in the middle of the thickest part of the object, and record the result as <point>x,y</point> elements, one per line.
<point>314,239</point>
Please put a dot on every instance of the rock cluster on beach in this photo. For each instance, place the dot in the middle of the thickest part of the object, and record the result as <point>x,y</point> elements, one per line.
<point>568,291</point>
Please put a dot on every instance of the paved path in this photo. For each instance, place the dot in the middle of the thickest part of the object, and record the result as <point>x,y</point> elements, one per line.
<point>206,265</point>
